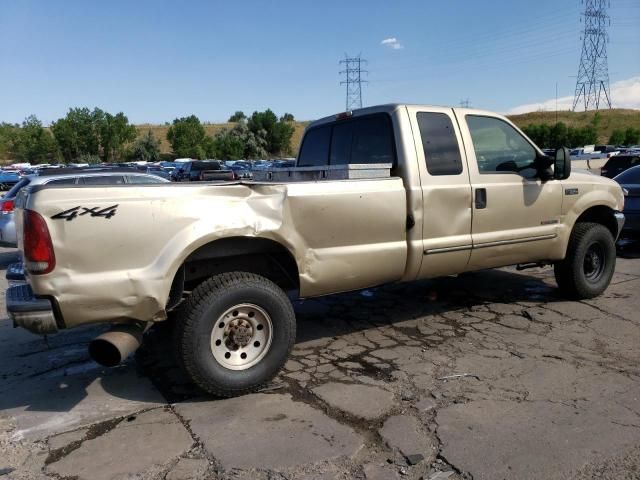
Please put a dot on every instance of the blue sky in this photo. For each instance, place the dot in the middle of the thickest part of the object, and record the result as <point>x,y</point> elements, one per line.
<point>159,60</point>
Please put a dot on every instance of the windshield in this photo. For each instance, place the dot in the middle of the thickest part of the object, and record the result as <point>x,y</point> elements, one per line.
<point>622,161</point>
<point>197,166</point>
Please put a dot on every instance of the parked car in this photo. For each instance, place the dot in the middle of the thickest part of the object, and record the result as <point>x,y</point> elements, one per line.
<point>475,194</point>
<point>240,171</point>
<point>618,164</point>
<point>629,180</point>
<point>95,176</point>
<point>159,171</point>
<point>610,149</point>
<point>201,170</point>
<point>8,178</point>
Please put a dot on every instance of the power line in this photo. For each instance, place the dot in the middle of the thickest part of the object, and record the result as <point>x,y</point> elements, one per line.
<point>353,80</point>
<point>465,103</point>
<point>592,84</point>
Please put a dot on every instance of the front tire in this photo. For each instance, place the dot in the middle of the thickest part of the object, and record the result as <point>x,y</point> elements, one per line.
<point>590,261</point>
<point>235,333</point>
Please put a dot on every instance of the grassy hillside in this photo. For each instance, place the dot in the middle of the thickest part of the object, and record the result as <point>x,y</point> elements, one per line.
<point>614,119</point>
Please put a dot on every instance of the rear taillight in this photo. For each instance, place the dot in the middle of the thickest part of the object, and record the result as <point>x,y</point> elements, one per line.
<point>38,249</point>
<point>7,207</point>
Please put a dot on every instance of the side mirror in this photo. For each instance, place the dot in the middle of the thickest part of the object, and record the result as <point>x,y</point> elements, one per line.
<point>562,164</point>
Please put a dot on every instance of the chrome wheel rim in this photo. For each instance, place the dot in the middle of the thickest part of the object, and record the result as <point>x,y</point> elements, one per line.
<point>241,336</point>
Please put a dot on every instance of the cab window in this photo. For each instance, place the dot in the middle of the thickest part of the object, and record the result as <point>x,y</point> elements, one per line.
<point>315,147</point>
<point>499,147</point>
<point>360,140</point>
<point>440,145</point>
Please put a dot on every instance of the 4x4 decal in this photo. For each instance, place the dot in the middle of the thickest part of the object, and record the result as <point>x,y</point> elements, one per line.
<point>79,211</point>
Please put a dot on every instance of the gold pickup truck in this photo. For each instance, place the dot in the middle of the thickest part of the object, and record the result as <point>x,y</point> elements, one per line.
<point>460,190</point>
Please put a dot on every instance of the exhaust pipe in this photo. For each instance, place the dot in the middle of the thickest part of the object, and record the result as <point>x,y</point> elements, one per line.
<point>112,347</point>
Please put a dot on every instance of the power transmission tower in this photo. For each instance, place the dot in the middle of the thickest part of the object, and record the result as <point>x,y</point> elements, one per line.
<point>465,103</point>
<point>592,85</point>
<point>353,80</point>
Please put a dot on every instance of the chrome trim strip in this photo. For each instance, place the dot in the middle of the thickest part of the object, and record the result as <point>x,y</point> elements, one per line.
<point>620,220</point>
<point>515,240</point>
<point>448,249</point>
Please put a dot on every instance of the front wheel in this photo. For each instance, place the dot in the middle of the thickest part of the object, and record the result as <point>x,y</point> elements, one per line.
<point>590,261</point>
<point>235,333</point>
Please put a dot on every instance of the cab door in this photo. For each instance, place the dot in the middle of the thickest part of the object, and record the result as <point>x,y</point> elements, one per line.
<point>516,215</point>
<point>446,191</point>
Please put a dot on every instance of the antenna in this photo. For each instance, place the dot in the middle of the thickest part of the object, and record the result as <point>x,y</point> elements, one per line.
<point>592,84</point>
<point>353,72</point>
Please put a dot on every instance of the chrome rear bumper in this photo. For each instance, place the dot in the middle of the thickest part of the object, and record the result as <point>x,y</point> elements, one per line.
<point>29,312</point>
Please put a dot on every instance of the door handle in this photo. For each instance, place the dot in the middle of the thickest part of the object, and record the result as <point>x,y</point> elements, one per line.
<point>481,198</point>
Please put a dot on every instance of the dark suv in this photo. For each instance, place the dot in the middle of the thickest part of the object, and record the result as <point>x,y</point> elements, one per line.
<point>618,164</point>
<point>200,170</point>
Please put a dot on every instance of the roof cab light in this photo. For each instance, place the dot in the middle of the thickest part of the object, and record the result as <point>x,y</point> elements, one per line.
<point>38,249</point>
<point>6,207</point>
<point>344,115</point>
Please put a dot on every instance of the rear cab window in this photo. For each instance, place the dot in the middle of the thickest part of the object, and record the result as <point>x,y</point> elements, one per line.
<point>359,140</point>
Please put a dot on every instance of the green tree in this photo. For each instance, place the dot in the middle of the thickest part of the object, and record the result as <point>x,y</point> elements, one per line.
<point>278,132</point>
<point>237,117</point>
<point>632,136</point>
<point>115,132</point>
<point>240,142</point>
<point>188,137</point>
<point>558,136</point>
<point>146,148</point>
<point>32,143</point>
<point>7,134</point>
<point>617,137</point>
<point>287,117</point>
<point>78,133</point>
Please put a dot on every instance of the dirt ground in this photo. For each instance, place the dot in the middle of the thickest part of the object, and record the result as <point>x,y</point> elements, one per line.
<point>489,375</point>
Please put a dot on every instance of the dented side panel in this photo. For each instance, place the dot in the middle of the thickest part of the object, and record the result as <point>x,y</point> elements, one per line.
<point>343,235</point>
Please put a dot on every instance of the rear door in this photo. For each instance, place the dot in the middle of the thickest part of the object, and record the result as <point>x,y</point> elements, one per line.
<point>515,214</point>
<point>446,191</point>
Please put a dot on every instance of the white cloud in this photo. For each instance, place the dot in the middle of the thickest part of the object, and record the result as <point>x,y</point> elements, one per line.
<point>392,43</point>
<point>624,94</point>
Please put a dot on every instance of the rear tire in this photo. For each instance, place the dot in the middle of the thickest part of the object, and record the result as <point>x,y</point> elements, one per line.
<point>590,261</point>
<point>235,333</point>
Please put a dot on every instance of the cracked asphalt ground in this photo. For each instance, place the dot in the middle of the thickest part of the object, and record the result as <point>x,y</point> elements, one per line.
<point>488,375</point>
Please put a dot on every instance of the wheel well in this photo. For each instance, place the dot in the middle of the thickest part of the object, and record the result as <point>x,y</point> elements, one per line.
<point>602,215</point>
<point>261,256</point>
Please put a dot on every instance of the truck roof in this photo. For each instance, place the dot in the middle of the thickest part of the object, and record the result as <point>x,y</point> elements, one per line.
<point>392,107</point>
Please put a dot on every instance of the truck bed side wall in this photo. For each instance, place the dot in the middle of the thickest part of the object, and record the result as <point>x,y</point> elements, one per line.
<point>344,235</point>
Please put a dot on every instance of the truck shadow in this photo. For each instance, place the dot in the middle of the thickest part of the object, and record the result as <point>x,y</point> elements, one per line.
<point>325,319</point>
<point>320,321</point>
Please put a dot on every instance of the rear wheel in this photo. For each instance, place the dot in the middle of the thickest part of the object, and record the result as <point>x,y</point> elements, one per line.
<point>590,261</point>
<point>235,333</point>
